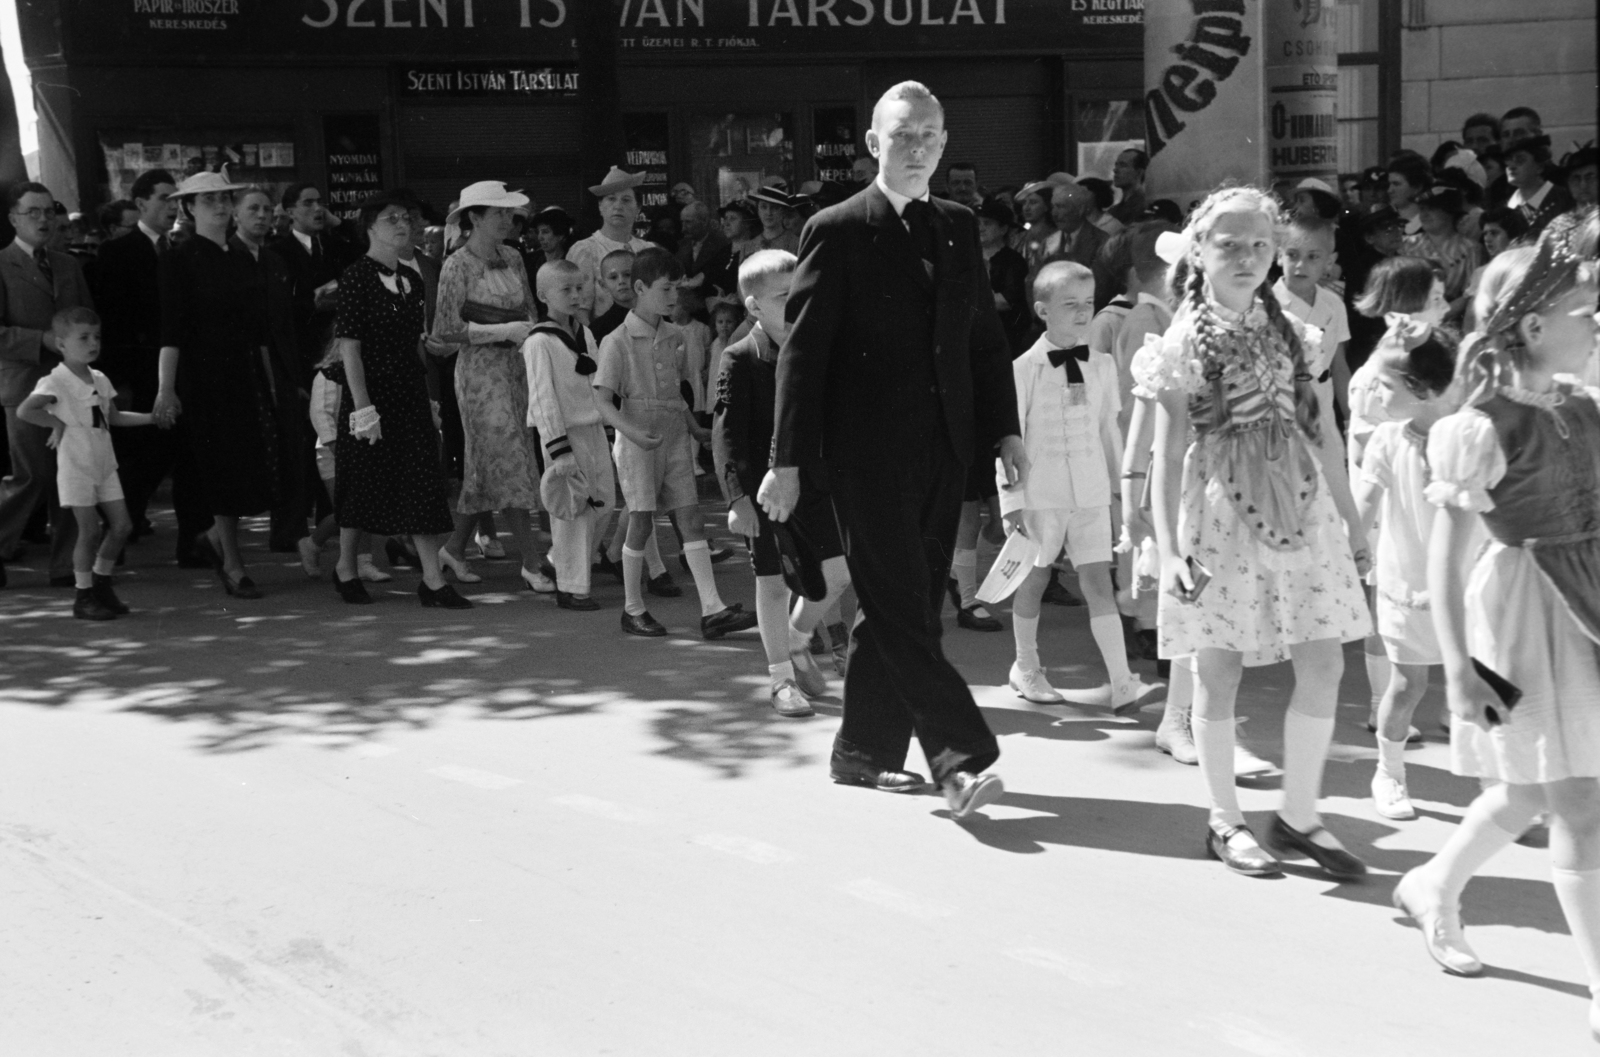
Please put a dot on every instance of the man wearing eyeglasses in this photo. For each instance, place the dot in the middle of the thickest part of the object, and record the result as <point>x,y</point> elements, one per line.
<point>38,282</point>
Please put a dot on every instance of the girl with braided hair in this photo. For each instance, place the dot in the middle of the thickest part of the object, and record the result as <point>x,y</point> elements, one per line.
<point>1522,458</point>
<point>1240,493</point>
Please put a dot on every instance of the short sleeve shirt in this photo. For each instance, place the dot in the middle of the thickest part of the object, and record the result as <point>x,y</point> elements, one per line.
<point>641,362</point>
<point>79,404</point>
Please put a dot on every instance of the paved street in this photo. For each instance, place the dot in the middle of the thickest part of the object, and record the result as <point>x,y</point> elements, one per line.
<point>293,827</point>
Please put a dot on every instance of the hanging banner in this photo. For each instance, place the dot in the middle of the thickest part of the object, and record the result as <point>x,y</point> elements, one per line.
<point>1204,98</point>
<point>1303,91</point>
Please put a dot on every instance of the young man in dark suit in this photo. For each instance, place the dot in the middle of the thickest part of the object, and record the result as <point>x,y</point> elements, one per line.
<point>316,249</point>
<point>35,283</point>
<point>895,371</point>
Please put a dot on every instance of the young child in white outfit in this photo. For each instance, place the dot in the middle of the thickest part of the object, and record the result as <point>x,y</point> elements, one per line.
<point>1067,403</point>
<point>1415,366</point>
<point>74,402</point>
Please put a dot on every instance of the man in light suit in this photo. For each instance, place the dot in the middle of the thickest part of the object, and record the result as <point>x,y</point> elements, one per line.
<point>895,372</point>
<point>38,283</point>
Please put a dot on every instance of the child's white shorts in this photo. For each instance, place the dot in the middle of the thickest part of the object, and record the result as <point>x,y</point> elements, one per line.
<point>660,478</point>
<point>78,489</point>
<point>1085,532</point>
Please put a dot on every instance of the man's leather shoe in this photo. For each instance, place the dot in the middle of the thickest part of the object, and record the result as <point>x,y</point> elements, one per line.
<point>976,618</point>
<point>734,618</point>
<point>966,792</point>
<point>663,586</point>
<point>579,603</point>
<point>643,624</point>
<point>107,594</point>
<point>1249,859</point>
<point>89,607</point>
<point>1335,862</point>
<point>849,770</point>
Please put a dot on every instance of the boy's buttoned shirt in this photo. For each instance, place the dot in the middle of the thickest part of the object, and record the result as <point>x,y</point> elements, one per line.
<point>1062,426</point>
<point>641,362</point>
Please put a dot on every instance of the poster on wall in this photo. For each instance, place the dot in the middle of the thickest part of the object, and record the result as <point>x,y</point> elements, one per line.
<point>645,138</point>
<point>836,146</point>
<point>353,146</point>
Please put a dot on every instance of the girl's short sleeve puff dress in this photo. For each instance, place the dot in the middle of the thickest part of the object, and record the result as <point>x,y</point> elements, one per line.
<point>1256,510</point>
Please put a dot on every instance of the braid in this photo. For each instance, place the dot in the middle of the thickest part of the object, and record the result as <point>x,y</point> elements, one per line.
<point>1208,343</point>
<point>1307,409</point>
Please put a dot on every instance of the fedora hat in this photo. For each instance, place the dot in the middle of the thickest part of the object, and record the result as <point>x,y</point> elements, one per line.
<point>1049,183</point>
<point>487,193</point>
<point>205,183</point>
<point>772,196</point>
<point>617,180</point>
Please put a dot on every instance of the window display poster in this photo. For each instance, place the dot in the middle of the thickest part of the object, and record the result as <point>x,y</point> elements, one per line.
<point>183,152</point>
<point>646,139</point>
<point>354,146</point>
<point>836,145</point>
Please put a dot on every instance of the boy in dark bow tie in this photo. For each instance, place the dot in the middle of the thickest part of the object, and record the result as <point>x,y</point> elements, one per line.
<point>1067,402</point>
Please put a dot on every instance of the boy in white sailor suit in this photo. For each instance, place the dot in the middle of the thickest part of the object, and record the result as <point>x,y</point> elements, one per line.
<point>1067,402</point>
<point>562,405</point>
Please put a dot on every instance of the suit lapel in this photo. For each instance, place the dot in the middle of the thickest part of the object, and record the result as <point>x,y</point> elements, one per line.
<point>944,242</point>
<point>21,263</point>
<point>891,237</point>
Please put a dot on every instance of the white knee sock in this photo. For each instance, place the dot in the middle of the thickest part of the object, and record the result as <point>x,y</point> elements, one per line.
<point>698,554</point>
<point>1305,751</point>
<point>652,555</point>
<point>964,568</point>
<point>1391,758</point>
<point>1491,823</point>
<point>1026,631</point>
<point>1214,740</point>
<point>1107,632</point>
<point>1579,893</point>
<point>780,672</point>
<point>1377,676</point>
<point>632,579</point>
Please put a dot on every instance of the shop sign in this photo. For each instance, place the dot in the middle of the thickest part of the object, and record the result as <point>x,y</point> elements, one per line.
<point>480,81</point>
<point>645,138</point>
<point>1303,91</point>
<point>836,143</point>
<point>396,30</point>
<point>354,158</point>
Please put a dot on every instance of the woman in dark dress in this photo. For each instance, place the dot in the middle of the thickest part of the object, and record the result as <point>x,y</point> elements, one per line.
<point>213,370</point>
<point>389,481</point>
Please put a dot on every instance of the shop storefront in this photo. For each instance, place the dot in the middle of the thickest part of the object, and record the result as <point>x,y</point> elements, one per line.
<point>434,94</point>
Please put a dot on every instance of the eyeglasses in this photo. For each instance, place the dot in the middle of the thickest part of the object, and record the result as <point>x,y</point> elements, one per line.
<point>395,219</point>
<point>33,214</point>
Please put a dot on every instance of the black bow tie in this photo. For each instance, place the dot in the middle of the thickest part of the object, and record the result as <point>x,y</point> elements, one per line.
<point>1071,357</point>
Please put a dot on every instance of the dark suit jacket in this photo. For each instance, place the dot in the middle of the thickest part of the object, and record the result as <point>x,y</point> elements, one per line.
<point>877,349</point>
<point>715,260</point>
<point>1556,201</point>
<point>282,335</point>
<point>313,326</point>
<point>127,291</point>
<point>30,303</point>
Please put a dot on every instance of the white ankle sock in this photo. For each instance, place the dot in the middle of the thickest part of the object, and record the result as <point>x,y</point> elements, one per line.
<point>1107,632</point>
<point>632,579</point>
<point>1579,893</point>
<point>652,555</point>
<point>82,580</point>
<point>964,568</point>
<point>1305,751</point>
<point>1391,758</point>
<point>105,566</point>
<point>1213,741</point>
<point>1026,632</point>
<point>780,672</point>
<point>698,554</point>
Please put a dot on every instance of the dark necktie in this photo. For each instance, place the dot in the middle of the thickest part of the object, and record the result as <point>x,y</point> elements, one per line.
<point>163,244</point>
<point>41,257</point>
<point>1071,357</point>
<point>918,216</point>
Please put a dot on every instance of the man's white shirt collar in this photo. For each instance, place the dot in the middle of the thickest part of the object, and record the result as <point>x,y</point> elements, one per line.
<point>1532,202</point>
<point>302,238</point>
<point>895,198</point>
<point>150,233</point>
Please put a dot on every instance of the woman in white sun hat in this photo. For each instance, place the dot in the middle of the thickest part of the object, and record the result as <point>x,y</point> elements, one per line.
<point>619,211</point>
<point>486,311</point>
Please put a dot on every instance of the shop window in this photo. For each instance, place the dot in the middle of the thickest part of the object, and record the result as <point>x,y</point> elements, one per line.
<point>738,152</point>
<point>647,137</point>
<point>1103,129</point>
<point>253,155</point>
<point>1369,82</point>
<point>836,144</point>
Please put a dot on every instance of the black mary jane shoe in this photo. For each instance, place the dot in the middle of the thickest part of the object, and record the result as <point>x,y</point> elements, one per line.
<point>968,618</point>
<point>444,598</point>
<point>243,587</point>
<point>577,603</point>
<point>353,591</point>
<point>1251,862</point>
<point>1335,862</point>
<point>644,625</point>
<point>726,622</point>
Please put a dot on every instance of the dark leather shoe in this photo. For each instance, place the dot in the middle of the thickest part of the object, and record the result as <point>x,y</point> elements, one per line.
<point>849,770</point>
<point>663,586</point>
<point>970,619</point>
<point>580,603</point>
<point>353,591</point>
<point>88,607</point>
<point>1243,859</point>
<point>1335,862</point>
<point>734,618</point>
<point>444,598</point>
<point>243,587</point>
<point>643,624</point>
<point>965,792</point>
<point>107,595</point>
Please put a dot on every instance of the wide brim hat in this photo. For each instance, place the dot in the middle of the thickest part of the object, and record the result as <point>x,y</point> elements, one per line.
<point>1534,146</point>
<point>772,196</point>
<point>743,208</point>
<point>564,491</point>
<point>1381,217</point>
<point>1583,157</point>
<point>997,210</point>
<point>491,194</point>
<point>801,561</point>
<point>1049,183</point>
<point>1442,197</point>
<point>1375,176</point>
<point>206,183</point>
<point>617,180</point>
<point>549,213</point>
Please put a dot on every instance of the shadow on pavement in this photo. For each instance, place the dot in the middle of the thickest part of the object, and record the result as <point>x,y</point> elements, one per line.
<point>1137,827</point>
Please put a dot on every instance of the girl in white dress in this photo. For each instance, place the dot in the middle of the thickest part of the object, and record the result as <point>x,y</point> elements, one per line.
<point>1524,455</point>
<point>1414,367</point>
<point>1240,492</point>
